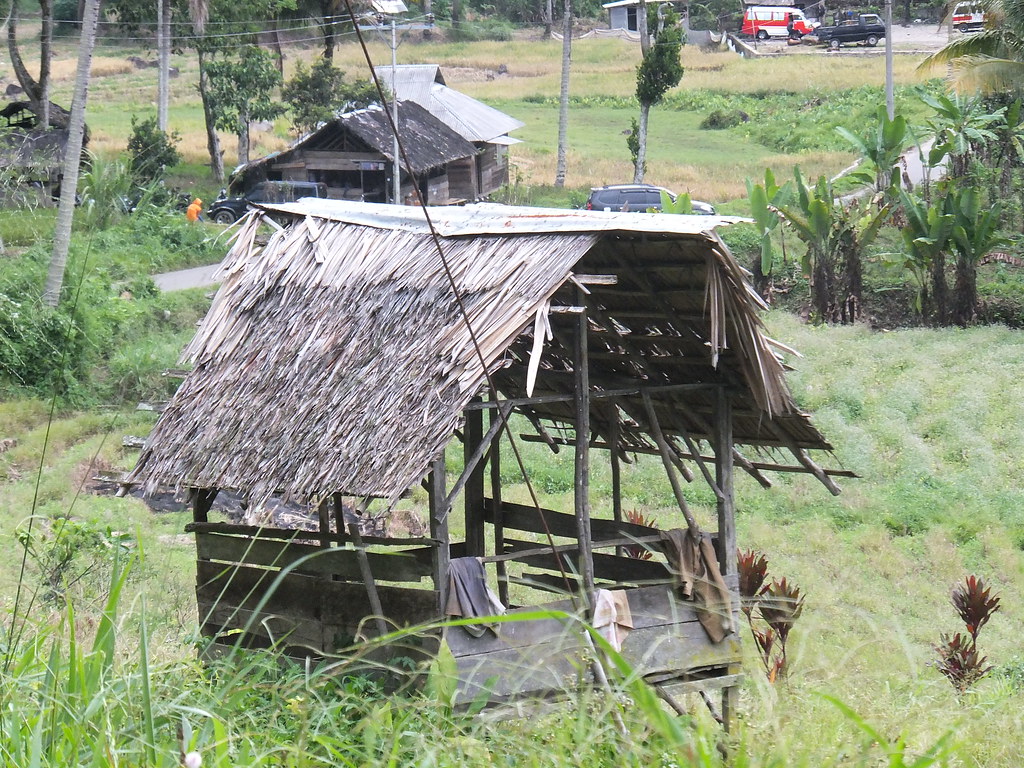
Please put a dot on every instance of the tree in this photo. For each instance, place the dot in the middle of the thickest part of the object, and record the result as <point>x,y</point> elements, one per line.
<point>37,91</point>
<point>240,91</point>
<point>926,236</point>
<point>765,202</point>
<point>150,151</point>
<point>962,127</point>
<point>659,70</point>
<point>316,94</point>
<point>563,95</point>
<point>72,157</point>
<point>992,59</point>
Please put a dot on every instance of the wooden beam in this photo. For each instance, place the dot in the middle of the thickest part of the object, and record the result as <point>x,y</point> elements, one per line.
<point>439,530</point>
<point>498,517</point>
<point>613,440</point>
<point>202,501</point>
<point>371,586</point>
<point>666,460</point>
<point>753,467</point>
<point>597,395</point>
<point>471,480</point>
<point>582,475</point>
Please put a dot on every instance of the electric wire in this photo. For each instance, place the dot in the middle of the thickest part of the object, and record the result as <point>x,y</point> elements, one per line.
<point>465,314</point>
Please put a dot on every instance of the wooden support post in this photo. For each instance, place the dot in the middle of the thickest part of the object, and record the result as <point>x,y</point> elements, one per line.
<point>323,513</point>
<point>499,522</point>
<point>582,484</point>
<point>613,442</point>
<point>666,460</point>
<point>202,500</point>
<point>473,496</point>
<point>439,531</point>
<point>723,443</point>
<point>367,574</point>
<point>339,516</point>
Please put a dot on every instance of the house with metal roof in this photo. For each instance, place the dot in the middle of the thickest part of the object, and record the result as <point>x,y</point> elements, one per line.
<point>484,126</point>
<point>353,155</point>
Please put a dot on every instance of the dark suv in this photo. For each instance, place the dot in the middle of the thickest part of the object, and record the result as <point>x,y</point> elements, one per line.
<point>226,210</point>
<point>638,198</point>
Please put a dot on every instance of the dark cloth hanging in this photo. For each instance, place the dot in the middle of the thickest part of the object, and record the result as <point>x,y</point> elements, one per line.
<point>699,578</point>
<point>469,596</point>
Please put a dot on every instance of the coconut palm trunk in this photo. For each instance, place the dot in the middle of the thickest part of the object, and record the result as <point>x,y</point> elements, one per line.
<point>563,97</point>
<point>163,45</point>
<point>72,157</point>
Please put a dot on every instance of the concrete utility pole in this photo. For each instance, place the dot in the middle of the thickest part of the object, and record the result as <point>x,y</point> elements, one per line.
<point>890,100</point>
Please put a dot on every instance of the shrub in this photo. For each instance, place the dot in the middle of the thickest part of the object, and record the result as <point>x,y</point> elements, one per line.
<point>771,610</point>
<point>959,660</point>
<point>152,151</point>
<point>724,118</point>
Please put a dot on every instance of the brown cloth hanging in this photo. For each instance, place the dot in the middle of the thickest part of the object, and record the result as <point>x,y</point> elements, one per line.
<point>699,578</point>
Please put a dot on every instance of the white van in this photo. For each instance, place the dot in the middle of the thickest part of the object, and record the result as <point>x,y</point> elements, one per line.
<point>764,21</point>
<point>968,17</point>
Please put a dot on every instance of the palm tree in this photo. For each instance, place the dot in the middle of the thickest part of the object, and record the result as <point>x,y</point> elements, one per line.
<point>72,157</point>
<point>993,59</point>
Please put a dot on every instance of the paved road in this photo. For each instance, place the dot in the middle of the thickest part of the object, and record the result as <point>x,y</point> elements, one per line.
<point>183,279</point>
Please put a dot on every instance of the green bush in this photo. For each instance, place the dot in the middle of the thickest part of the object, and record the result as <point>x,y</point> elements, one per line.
<point>152,151</point>
<point>724,118</point>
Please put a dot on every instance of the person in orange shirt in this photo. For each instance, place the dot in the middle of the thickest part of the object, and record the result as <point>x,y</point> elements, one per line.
<point>195,210</point>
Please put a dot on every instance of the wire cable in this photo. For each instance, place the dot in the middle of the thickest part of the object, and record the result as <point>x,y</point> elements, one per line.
<point>464,312</point>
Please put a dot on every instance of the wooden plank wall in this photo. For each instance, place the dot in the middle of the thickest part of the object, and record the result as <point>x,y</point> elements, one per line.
<point>547,657</point>
<point>319,606</point>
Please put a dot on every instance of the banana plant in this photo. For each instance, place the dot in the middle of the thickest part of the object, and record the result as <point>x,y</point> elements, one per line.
<point>835,236</point>
<point>926,239</point>
<point>765,201</point>
<point>683,204</point>
<point>882,148</point>
<point>974,234</point>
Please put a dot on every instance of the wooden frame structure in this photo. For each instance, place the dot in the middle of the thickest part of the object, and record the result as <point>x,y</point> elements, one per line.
<point>339,359</point>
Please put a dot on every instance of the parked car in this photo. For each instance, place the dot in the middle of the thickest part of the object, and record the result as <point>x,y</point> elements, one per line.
<point>866,29</point>
<point>226,210</point>
<point>636,197</point>
<point>764,21</point>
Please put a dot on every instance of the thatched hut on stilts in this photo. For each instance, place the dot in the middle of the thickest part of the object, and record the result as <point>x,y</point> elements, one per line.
<point>340,358</point>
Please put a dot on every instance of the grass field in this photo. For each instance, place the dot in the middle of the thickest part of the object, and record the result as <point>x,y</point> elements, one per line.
<point>922,415</point>
<point>711,165</point>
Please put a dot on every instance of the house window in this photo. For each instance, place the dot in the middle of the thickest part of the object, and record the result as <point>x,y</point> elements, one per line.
<point>631,23</point>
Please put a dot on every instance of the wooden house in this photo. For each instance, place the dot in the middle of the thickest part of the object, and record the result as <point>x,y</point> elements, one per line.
<point>354,154</point>
<point>341,358</point>
<point>32,157</point>
<point>484,126</point>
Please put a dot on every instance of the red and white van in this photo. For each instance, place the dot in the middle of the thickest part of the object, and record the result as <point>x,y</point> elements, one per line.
<point>968,17</point>
<point>764,21</point>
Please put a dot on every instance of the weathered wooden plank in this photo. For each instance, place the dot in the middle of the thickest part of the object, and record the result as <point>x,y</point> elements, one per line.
<point>339,607</point>
<point>219,619</point>
<point>672,647</point>
<point>259,532</point>
<point>520,517</point>
<point>606,566</point>
<point>520,673</point>
<point>678,687</point>
<point>334,561</point>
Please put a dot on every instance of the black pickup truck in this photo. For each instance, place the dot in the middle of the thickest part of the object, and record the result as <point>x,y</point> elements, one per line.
<point>866,29</point>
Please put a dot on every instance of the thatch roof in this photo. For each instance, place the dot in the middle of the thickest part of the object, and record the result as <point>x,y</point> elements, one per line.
<point>336,358</point>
